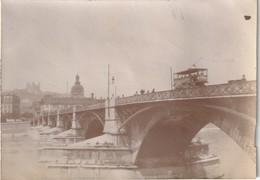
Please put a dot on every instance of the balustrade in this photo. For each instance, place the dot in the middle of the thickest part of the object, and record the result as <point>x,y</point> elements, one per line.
<point>229,89</point>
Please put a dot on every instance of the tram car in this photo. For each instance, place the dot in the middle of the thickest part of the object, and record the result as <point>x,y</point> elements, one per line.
<point>191,78</point>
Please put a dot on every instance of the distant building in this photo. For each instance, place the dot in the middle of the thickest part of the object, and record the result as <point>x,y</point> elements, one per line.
<point>10,106</point>
<point>33,88</point>
<point>31,93</point>
<point>64,103</point>
<point>77,90</point>
<point>53,102</point>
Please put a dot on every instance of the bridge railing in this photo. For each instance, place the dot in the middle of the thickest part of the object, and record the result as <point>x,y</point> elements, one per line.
<point>229,89</point>
<point>100,105</point>
<point>91,106</point>
<point>239,87</point>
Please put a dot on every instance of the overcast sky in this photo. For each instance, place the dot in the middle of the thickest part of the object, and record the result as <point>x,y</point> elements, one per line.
<point>50,42</point>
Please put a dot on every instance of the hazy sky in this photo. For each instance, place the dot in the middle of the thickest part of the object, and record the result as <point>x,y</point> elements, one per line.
<point>50,42</point>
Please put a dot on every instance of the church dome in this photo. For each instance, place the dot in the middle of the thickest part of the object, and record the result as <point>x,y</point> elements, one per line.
<point>77,90</point>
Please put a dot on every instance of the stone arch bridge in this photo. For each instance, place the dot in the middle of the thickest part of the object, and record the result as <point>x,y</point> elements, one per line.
<point>162,124</point>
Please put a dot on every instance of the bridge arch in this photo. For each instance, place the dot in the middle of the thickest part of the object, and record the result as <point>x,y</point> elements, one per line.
<point>53,121</point>
<point>177,124</point>
<point>44,120</point>
<point>91,113</point>
<point>66,122</point>
<point>91,124</point>
<point>67,117</point>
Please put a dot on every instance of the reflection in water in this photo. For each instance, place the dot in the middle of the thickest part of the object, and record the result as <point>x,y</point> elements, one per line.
<point>20,160</point>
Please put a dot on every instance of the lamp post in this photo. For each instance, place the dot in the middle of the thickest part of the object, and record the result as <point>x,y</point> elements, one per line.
<point>108,88</point>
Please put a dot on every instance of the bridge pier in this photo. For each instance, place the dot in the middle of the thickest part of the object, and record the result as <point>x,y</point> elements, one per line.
<point>112,125</point>
<point>70,136</point>
<point>35,130</point>
<point>45,126</point>
<point>38,124</point>
<point>44,123</point>
<point>109,149</point>
<point>38,120</point>
<point>75,127</point>
<point>58,124</point>
<point>49,119</point>
<point>33,122</point>
<point>48,133</point>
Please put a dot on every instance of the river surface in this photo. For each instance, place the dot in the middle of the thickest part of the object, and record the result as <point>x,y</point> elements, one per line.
<point>20,160</point>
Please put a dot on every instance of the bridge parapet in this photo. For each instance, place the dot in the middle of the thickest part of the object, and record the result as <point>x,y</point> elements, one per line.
<point>221,90</point>
<point>234,88</point>
<point>92,106</point>
<point>78,109</point>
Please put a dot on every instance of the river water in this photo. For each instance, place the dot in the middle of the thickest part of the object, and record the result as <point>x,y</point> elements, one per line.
<point>20,160</point>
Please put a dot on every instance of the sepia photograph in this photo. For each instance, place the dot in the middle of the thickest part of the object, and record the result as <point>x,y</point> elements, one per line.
<point>128,89</point>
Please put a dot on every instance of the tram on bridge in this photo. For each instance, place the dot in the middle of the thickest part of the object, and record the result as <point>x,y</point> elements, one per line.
<point>190,78</point>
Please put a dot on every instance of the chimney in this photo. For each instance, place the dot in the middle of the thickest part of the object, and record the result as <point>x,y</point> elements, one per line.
<point>92,95</point>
